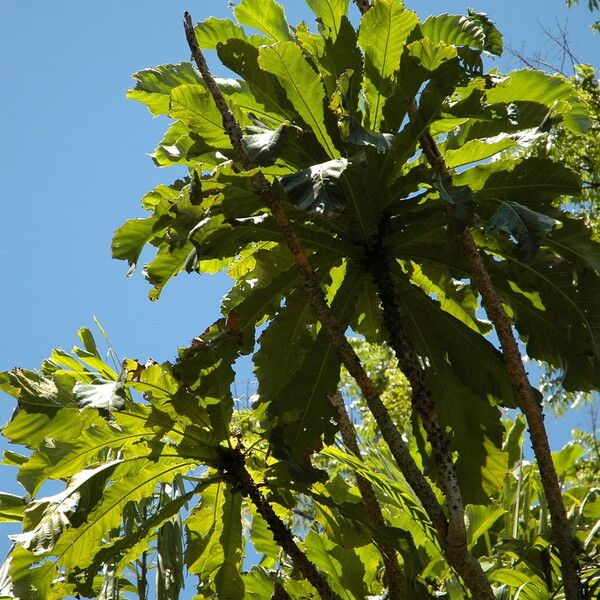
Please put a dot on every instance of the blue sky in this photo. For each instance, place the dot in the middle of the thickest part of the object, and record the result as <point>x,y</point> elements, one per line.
<point>74,164</point>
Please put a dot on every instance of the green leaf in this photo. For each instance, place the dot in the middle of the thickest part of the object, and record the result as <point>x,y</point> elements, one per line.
<point>317,189</point>
<point>129,240</point>
<point>330,13</point>
<point>384,30</point>
<point>554,312</point>
<point>12,508</point>
<point>214,551</point>
<point>480,520</point>
<point>265,146</point>
<point>169,568</point>
<point>212,31</point>
<point>302,411</point>
<point>476,150</point>
<point>228,582</point>
<point>534,181</point>
<point>576,243</point>
<point>304,89</point>
<point>194,106</point>
<point>154,86</point>
<point>527,227</point>
<point>529,89</point>
<point>337,58</point>
<point>431,56</point>
<point>47,518</point>
<point>206,368</point>
<point>456,30</point>
<point>473,423</point>
<point>166,265</point>
<point>268,96</point>
<point>322,553</point>
<point>266,16</point>
<point>137,479</point>
<point>359,136</point>
<point>493,38</point>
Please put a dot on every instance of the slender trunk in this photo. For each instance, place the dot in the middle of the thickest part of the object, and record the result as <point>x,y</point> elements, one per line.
<point>516,370</point>
<point>348,356</point>
<point>533,412</point>
<point>457,551</point>
<point>394,578</point>
<point>235,470</point>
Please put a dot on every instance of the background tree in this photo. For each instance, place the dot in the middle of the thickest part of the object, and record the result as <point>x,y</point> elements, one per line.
<point>308,185</point>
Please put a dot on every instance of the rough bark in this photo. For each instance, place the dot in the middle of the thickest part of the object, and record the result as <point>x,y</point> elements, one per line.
<point>393,574</point>
<point>518,375</point>
<point>234,468</point>
<point>456,549</point>
<point>533,412</point>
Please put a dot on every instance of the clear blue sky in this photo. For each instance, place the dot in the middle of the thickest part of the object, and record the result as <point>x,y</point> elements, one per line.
<point>74,164</point>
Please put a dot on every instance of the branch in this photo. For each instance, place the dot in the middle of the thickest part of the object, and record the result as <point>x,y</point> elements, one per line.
<point>393,575</point>
<point>235,471</point>
<point>279,593</point>
<point>456,549</point>
<point>518,376</point>
<point>532,410</point>
<point>363,5</point>
<point>348,356</point>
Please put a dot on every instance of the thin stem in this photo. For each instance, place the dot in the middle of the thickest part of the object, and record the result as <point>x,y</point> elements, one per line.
<point>235,470</point>
<point>348,356</point>
<point>393,574</point>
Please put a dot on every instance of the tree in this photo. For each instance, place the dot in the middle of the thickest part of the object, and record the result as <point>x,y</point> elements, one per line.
<point>339,182</point>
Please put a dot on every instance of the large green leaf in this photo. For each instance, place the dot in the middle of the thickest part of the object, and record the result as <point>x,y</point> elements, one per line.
<point>268,94</point>
<point>576,242</point>
<point>529,89</point>
<point>214,551</point>
<point>266,16</point>
<point>154,86</point>
<point>305,90</point>
<point>321,552</point>
<point>337,59</point>
<point>384,30</point>
<point>457,30</point>
<point>12,508</point>
<point>228,582</point>
<point>169,261</point>
<point>212,31</point>
<point>554,311</point>
<point>194,106</point>
<point>317,189</point>
<point>532,182</point>
<point>46,519</point>
<point>302,412</point>
<point>330,13</point>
